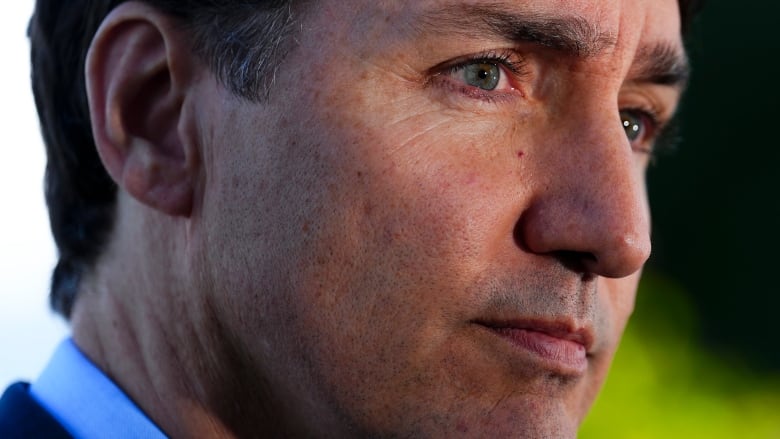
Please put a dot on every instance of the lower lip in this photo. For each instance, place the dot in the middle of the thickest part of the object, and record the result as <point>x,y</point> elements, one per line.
<point>561,355</point>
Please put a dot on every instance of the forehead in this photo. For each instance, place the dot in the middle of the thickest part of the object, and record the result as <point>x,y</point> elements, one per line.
<point>622,27</point>
<point>620,17</point>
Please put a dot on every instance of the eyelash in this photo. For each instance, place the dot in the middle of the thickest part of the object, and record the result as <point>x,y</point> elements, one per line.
<point>660,136</point>
<point>510,64</point>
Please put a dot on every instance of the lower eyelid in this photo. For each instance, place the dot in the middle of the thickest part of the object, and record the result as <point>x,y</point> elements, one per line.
<point>449,85</point>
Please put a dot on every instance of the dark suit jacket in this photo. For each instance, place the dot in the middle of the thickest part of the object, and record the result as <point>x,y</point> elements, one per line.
<point>22,417</point>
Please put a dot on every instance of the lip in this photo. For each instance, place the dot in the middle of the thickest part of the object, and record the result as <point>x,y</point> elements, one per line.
<point>557,346</point>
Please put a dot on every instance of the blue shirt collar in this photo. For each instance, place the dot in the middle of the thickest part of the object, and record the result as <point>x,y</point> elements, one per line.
<point>86,402</point>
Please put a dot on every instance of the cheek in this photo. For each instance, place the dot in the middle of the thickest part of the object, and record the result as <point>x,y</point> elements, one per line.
<point>419,198</point>
<point>617,298</point>
<point>412,222</point>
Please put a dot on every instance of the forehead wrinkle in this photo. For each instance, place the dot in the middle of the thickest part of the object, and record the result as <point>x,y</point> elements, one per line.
<point>570,34</point>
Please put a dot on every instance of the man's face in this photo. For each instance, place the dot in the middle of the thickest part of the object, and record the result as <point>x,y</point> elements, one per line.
<point>436,223</point>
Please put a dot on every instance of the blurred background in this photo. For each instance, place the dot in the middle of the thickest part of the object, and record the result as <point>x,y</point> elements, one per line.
<point>28,330</point>
<point>701,356</point>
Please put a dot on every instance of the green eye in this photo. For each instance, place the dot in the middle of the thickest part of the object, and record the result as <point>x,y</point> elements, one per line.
<point>482,75</point>
<point>632,124</point>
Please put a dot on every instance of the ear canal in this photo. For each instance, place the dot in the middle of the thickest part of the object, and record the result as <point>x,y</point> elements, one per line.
<point>153,113</point>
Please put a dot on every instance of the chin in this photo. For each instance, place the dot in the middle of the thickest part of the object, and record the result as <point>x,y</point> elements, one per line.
<point>518,416</point>
<point>532,418</point>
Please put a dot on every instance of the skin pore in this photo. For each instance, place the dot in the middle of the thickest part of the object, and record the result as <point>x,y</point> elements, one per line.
<point>347,257</point>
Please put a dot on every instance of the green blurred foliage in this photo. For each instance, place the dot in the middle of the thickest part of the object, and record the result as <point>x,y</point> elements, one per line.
<point>665,385</point>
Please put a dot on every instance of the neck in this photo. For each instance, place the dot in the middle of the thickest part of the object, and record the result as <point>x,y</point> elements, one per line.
<point>141,323</point>
<point>186,375</point>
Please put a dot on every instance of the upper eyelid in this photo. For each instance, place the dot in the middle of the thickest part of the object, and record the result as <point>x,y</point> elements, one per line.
<point>647,100</point>
<point>650,97</point>
<point>505,57</point>
<point>651,113</point>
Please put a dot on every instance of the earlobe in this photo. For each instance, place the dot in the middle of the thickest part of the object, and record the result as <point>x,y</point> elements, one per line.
<point>139,70</point>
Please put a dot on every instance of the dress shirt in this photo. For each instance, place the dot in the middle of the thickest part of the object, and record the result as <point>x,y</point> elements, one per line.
<point>86,402</point>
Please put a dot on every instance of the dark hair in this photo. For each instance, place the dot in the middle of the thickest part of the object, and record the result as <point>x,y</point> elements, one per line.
<point>239,40</point>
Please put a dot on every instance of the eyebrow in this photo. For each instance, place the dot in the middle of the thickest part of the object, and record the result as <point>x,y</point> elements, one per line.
<point>573,36</point>
<point>661,64</point>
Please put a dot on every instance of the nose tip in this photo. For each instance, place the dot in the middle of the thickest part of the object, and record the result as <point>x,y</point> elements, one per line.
<point>625,255</point>
<point>599,226</point>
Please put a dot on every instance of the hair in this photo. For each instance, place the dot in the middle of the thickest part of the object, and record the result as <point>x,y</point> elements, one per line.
<point>240,40</point>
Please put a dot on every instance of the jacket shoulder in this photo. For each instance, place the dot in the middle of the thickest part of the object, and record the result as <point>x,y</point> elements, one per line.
<point>22,417</point>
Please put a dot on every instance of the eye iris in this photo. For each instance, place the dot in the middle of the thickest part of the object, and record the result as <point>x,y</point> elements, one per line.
<point>632,125</point>
<point>483,75</point>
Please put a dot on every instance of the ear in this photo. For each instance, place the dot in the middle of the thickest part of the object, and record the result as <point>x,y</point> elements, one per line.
<point>139,70</point>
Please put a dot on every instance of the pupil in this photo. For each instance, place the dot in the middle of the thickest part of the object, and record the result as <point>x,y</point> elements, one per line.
<point>482,75</point>
<point>632,126</point>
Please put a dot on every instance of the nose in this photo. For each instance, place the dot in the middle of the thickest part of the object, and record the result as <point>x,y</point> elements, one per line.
<point>590,211</point>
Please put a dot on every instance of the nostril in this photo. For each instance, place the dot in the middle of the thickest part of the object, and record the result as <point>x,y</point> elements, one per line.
<point>578,262</point>
<point>517,235</point>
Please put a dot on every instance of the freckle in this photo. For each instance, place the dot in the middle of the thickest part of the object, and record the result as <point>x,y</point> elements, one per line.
<point>520,154</point>
<point>305,227</point>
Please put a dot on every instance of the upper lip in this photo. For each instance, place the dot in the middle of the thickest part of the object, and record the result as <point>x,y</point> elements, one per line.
<point>564,329</point>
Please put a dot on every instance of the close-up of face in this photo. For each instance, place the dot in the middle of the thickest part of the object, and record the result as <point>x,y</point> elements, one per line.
<point>436,222</point>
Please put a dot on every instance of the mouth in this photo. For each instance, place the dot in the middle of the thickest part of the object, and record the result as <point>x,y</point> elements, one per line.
<point>554,345</point>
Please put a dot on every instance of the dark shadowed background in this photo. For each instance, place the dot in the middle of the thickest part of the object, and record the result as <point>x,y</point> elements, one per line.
<point>715,205</point>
